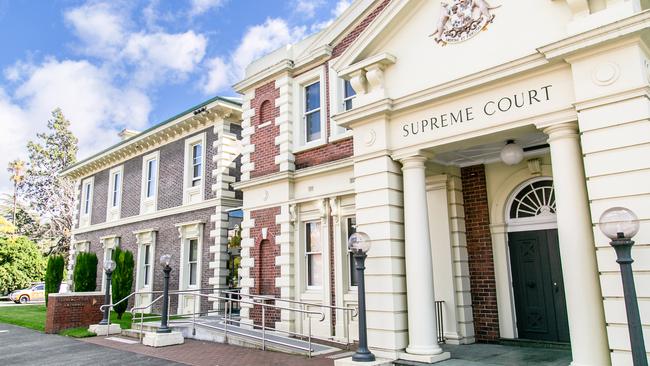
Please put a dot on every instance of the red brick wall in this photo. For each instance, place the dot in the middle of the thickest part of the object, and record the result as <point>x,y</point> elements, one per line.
<point>264,138</point>
<point>479,250</point>
<point>265,271</point>
<point>65,311</point>
<point>340,47</point>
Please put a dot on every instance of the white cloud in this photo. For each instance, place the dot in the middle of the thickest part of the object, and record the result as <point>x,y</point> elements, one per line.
<point>340,7</point>
<point>256,42</point>
<point>158,53</point>
<point>199,7</point>
<point>307,7</point>
<point>97,108</point>
<point>101,26</point>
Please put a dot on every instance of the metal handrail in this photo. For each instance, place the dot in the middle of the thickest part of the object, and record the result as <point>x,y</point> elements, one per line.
<point>265,297</point>
<point>353,311</point>
<point>227,319</point>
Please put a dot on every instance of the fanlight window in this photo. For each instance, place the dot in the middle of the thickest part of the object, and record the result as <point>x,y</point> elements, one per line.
<point>536,199</point>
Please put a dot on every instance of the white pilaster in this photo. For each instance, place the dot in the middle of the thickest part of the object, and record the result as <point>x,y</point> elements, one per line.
<point>589,344</point>
<point>286,281</point>
<point>419,268</point>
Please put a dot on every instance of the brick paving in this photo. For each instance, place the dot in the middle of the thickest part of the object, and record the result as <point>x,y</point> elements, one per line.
<point>199,353</point>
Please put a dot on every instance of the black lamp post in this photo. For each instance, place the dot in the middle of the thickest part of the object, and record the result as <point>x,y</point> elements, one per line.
<point>620,225</point>
<point>359,244</point>
<point>165,260</point>
<point>109,266</point>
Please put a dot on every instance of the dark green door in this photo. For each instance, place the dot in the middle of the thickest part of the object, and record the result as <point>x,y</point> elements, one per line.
<point>538,286</point>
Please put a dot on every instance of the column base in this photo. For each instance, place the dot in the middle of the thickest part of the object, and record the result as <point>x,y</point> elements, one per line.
<point>154,339</point>
<point>101,330</point>
<point>425,358</point>
<point>348,362</point>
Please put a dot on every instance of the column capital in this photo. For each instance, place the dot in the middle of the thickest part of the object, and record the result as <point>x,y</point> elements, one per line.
<point>562,131</point>
<point>415,159</point>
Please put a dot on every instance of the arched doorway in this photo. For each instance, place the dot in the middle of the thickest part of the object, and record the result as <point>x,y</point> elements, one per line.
<point>533,245</point>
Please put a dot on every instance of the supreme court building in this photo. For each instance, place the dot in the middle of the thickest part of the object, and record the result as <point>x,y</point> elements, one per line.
<point>394,121</point>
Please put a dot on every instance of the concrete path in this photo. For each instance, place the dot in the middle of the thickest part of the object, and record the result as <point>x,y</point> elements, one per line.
<point>22,346</point>
<point>497,355</point>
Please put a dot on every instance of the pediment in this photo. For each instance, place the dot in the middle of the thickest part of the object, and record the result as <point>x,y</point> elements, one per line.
<point>407,31</point>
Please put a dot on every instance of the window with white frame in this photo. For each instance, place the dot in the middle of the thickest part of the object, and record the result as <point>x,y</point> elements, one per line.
<point>86,205</point>
<point>197,164</point>
<point>114,193</point>
<point>149,195</point>
<point>309,90</point>
<point>194,168</point>
<point>193,261</point>
<point>351,228</point>
<point>146,264</point>
<point>348,95</point>
<point>314,254</point>
<point>311,117</point>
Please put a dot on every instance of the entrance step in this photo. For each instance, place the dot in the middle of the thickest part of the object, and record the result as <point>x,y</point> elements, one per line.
<point>534,343</point>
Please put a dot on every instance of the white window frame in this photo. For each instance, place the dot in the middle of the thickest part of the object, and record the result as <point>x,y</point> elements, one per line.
<point>307,254</point>
<point>145,239</point>
<point>194,194</point>
<point>149,204</point>
<point>189,231</point>
<point>87,193</point>
<point>109,243</point>
<point>337,98</point>
<point>113,213</point>
<point>346,235</point>
<point>301,82</point>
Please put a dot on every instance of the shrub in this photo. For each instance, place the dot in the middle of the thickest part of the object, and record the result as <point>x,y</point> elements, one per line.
<point>21,263</point>
<point>122,280</point>
<point>53,275</point>
<point>85,272</point>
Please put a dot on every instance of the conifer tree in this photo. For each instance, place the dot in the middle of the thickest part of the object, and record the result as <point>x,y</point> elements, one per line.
<point>53,275</point>
<point>122,280</point>
<point>85,272</point>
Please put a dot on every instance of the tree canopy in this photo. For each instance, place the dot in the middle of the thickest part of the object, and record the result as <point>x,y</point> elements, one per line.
<point>49,194</point>
<point>21,263</point>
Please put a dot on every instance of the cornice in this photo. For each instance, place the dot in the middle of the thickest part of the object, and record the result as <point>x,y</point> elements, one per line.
<point>292,176</point>
<point>145,142</point>
<point>597,36</point>
<point>283,66</point>
<point>231,202</point>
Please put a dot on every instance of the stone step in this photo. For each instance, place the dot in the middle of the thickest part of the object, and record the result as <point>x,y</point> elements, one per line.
<point>131,333</point>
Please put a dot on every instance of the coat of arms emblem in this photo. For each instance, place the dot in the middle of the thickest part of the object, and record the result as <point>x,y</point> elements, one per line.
<point>462,20</point>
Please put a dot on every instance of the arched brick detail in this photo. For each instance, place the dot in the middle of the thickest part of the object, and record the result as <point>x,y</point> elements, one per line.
<point>266,112</point>
<point>264,138</point>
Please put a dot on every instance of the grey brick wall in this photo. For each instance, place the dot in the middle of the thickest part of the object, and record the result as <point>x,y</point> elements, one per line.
<point>236,171</point>
<point>131,190</point>
<point>100,198</point>
<point>167,242</point>
<point>170,184</point>
<point>210,138</point>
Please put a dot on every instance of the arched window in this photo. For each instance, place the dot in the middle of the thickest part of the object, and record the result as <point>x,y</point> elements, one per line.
<point>533,204</point>
<point>266,111</point>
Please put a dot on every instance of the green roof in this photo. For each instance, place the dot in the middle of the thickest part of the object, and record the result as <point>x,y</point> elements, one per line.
<point>231,100</point>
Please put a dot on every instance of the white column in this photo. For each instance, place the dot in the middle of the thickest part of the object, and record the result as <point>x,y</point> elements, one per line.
<point>419,268</point>
<point>589,345</point>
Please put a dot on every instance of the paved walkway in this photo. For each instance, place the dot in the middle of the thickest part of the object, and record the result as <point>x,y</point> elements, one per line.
<point>22,346</point>
<point>496,355</point>
<point>214,354</point>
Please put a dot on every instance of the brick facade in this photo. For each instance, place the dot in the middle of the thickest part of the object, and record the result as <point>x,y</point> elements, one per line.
<point>131,189</point>
<point>479,250</point>
<point>100,198</point>
<point>167,242</point>
<point>265,271</point>
<point>264,138</point>
<point>74,310</point>
<point>343,45</point>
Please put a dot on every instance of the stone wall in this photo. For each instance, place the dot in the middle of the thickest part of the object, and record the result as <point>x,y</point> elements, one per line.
<point>73,310</point>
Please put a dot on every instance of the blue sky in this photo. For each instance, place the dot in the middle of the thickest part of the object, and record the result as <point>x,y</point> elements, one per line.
<point>114,64</point>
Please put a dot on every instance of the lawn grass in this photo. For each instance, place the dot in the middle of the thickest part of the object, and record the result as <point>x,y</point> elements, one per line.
<point>28,316</point>
<point>77,333</point>
<point>33,317</point>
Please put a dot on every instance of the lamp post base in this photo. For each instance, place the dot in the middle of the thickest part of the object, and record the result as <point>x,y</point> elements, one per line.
<point>363,356</point>
<point>102,329</point>
<point>154,339</point>
<point>348,361</point>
